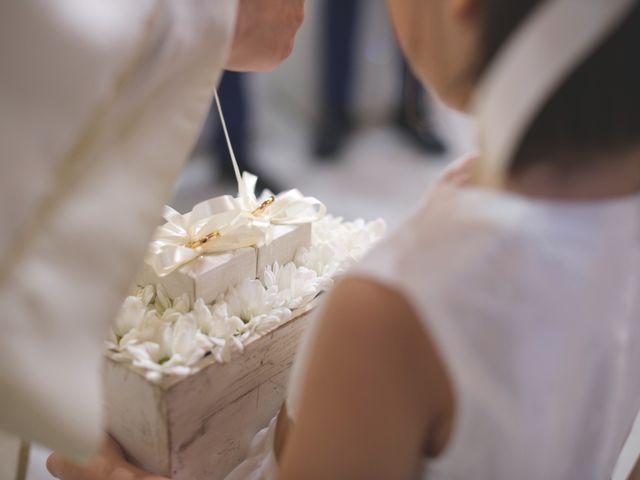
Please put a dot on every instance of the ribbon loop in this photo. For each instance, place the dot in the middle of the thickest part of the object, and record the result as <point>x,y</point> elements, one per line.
<point>187,237</point>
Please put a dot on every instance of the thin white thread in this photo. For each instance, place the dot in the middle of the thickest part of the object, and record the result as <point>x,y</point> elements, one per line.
<point>236,169</point>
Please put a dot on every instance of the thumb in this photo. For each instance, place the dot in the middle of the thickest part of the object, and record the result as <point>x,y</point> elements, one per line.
<point>53,465</point>
<point>64,469</point>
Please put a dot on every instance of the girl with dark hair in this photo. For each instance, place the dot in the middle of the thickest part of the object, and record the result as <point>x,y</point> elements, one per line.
<point>496,334</point>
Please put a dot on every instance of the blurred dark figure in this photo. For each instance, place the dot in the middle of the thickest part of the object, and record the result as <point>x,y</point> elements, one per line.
<point>234,99</point>
<point>335,125</point>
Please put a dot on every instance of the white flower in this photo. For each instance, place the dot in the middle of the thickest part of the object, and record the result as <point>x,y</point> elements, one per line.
<point>376,229</point>
<point>259,308</point>
<point>170,347</point>
<point>221,329</point>
<point>216,324</point>
<point>223,350</point>
<point>130,316</point>
<point>126,326</point>
<point>147,294</point>
<point>251,299</point>
<point>353,237</point>
<point>162,300</point>
<point>182,304</point>
<point>188,344</point>
<point>295,286</point>
<point>262,325</point>
<point>358,237</point>
<point>336,244</point>
<point>322,259</point>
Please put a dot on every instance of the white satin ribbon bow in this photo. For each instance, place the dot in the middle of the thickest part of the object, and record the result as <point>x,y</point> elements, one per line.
<point>226,223</point>
<point>287,208</point>
<point>214,226</point>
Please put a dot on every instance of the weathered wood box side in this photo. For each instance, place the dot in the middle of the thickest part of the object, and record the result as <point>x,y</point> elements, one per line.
<point>200,427</point>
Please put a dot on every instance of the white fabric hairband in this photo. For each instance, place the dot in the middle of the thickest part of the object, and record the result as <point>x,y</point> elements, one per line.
<point>556,38</point>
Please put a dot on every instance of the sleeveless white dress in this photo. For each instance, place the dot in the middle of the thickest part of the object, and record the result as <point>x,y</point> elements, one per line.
<point>535,308</point>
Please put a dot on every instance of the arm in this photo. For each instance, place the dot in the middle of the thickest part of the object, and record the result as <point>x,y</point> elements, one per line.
<point>376,399</point>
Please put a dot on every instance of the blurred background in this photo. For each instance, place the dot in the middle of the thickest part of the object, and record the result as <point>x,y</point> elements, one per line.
<point>342,120</point>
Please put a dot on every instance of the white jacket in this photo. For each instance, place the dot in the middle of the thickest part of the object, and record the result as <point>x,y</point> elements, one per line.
<point>100,103</point>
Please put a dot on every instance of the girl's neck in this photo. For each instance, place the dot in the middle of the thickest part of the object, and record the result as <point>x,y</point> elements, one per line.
<point>601,178</point>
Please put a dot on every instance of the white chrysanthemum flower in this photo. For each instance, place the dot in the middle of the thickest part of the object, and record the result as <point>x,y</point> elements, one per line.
<point>188,344</point>
<point>215,322</point>
<point>147,294</point>
<point>358,237</point>
<point>322,259</point>
<point>295,286</point>
<point>377,229</point>
<point>259,308</point>
<point>324,230</point>
<point>129,321</point>
<point>251,299</point>
<point>264,324</point>
<point>182,304</point>
<point>223,350</point>
<point>221,329</point>
<point>162,300</point>
<point>173,347</point>
<point>130,316</point>
<point>337,244</point>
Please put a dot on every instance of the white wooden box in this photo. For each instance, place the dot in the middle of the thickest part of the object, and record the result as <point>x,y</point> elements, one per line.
<point>200,427</point>
<point>287,239</point>
<point>205,277</point>
<point>210,275</point>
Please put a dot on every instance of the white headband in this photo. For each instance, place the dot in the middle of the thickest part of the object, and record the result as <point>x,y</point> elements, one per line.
<point>540,56</point>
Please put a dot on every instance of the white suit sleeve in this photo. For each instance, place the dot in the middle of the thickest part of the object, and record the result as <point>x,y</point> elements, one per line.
<point>101,103</point>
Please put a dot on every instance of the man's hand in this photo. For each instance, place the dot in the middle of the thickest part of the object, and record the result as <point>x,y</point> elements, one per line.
<point>109,465</point>
<point>265,33</point>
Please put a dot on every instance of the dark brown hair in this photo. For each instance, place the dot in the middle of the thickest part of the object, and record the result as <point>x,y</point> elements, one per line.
<point>597,110</point>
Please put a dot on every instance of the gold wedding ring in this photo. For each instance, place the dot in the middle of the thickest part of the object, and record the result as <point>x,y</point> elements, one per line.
<point>198,243</point>
<point>263,207</point>
<point>213,235</point>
